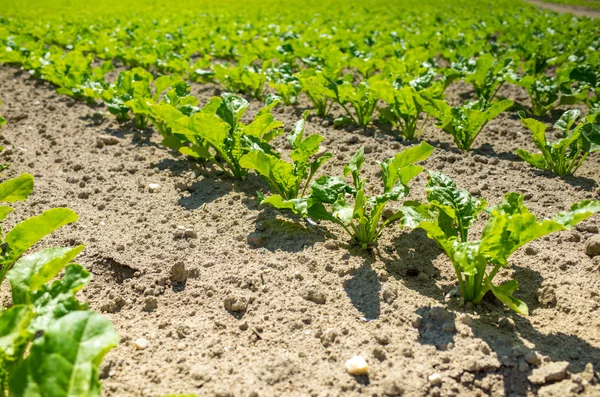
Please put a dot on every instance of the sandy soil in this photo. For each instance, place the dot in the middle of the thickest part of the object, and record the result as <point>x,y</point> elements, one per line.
<point>565,8</point>
<point>254,303</point>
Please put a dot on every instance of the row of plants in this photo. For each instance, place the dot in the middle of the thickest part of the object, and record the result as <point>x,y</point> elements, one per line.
<point>51,345</point>
<point>216,134</point>
<point>365,66</point>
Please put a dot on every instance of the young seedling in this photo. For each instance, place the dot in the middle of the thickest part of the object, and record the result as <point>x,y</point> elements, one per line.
<point>362,218</point>
<point>405,106</point>
<point>216,134</point>
<point>287,179</point>
<point>546,93</point>
<point>567,154</point>
<point>489,74</point>
<point>465,122</point>
<point>363,98</point>
<point>447,217</point>
<point>318,90</point>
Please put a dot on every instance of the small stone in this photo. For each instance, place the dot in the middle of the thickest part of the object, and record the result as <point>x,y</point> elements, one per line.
<point>201,372</point>
<point>141,343</point>
<point>357,365</point>
<point>435,379</point>
<point>552,372</point>
<point>153,187</point>
<point>533,358</point>
<point>325,123</point>
<point>321,152</point>
<point>389,293</point>
<point>150,304</point>
<point>352,139</point>
<point>466,319</point>
<point>531,250</point>
<point>191,233</point>
<point>331,245</point>
<point>179,232</point>
<point>507,323</point>
<point>178,273</point>
<point>314,295</point>
<point>592,247</point>
<point>181,186</point>
<point>108,140</point>
<point>255,239</point>
<point>236,303</point>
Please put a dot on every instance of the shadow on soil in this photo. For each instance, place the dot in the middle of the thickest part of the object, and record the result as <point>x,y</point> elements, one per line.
<point>412,262</point>
<point>363,290</point>
<point>280,234</point>
<point>438,327</point>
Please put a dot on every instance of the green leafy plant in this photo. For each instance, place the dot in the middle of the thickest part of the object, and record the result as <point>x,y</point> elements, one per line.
<point>216,134</point>
<point>318,90</point>
<point>285,83</point>
<point>46,320</point>
<point>363,98</point>
<point>362,219</point>
<point>568,153</point>
<point>405,106</point>
<point>547,93</point>
<point>450,212</point>
<point>464,123</point>
<point>131,89</point>
<point>287,179</point>
<point>249,76</point>
<point>489,74</point>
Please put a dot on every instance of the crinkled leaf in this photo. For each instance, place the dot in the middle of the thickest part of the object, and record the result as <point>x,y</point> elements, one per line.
<point>65,361</point>
<point>32,271</point>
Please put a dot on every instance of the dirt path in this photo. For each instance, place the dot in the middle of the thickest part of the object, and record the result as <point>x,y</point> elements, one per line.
<point>251,303</point>
<point>565,8</point>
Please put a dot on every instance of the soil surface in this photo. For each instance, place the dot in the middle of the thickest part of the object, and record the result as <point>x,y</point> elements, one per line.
<point>567,9</point>
<point>240,300</point>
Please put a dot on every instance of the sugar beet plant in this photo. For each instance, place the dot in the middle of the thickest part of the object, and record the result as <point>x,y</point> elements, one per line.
<point>465,122</point>
<point>449,213</point>
<point>289,180</point>
<point>216,134</point>
<point>348,205</point>
<point>568,153</point>
<point>50,344</point>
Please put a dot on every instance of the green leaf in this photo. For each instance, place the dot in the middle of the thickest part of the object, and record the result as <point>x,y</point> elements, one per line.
<point>16,189</point>
<point>539,131</point>
<point>231,109</point>
<point>4,211</point>
<point>511,226</point>
<point>504,293</point>
<point>53,301</point>
<point>459,205</point>
<point>30,231</point>
<point>32,271</point>
<point>65,361</point>
<point>278,173</point>
<point>401,168</point>
<point>535,159</point>
<point>326,189</point>
<point>13,329</point>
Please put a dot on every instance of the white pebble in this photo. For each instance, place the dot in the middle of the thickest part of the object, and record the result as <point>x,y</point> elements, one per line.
<point>153,187</point>
<point>141,343</point>
<point>357,365</point>
<point>435,379</point>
